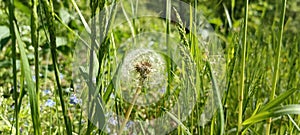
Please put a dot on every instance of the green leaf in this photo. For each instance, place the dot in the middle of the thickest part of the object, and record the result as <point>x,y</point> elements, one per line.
<point>275,112</point>
<point>22,7</point>
<point>4,32</point>
<point>65,15</point>
<point>277,101</point>
<point>177,121</point>
<point>216,21</point>
<point>60,41</point>
<point>4,36</point>
<point>5,64</point>
<point>26,73</point>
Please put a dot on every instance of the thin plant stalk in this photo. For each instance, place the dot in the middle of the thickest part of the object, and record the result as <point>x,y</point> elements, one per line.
<point>242,77</point>
<point>168,31</point>
<point>128,112</point>
<point>278,53</point>
<point>13,39</point>
<point>27,77</point>
<point>35,42</point>
<point>48,7</point>
<point>143,69</point>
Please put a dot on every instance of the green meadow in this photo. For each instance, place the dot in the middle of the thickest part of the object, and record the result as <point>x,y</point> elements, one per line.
<point>139,67</point>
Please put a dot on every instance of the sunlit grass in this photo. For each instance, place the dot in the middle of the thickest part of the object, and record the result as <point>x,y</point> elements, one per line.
<point>259,93</point>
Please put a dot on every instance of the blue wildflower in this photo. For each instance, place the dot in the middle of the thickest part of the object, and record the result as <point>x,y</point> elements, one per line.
<point>112,121</point>
<point>74,100</point>
<point>129,124</point>
<point>46,92</point>
<point>50,103</point>
<point>163,90</point>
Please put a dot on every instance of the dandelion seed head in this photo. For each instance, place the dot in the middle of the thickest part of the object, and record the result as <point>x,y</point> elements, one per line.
<point>147,65</point>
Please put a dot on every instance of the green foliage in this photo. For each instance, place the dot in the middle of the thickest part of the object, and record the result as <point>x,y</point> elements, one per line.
<point>271,49</point>
<point>27,77</point>
<point>273,112</point>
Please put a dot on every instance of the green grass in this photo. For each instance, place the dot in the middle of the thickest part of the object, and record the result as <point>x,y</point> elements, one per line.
<point>252,89</point>
<point>242,78</point>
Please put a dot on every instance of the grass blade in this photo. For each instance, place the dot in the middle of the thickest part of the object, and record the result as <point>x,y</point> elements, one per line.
<point>86,26</point>
<point>14,59</point>
<point>178,122</point>
<point>278,100</point>
<point>217,98</point>
<point>49,11</point>
<point>242,79</point>
<point>277,61</point>
<point>26,73</point>
<point>275,112</point>
<point>35,44</point>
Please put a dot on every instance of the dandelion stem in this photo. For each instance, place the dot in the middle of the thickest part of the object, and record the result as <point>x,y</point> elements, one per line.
<point>143,68</point>
<point>128,112</point>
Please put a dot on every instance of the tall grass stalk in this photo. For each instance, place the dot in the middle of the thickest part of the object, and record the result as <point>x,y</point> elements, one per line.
<point>241,89</point>
<point>30,87</point>
<point>218,100</point>
<point>13,39</point>
<point>48,7</point>
<point>168,22</point>
<point>35,42</point>
<point>276,69</point>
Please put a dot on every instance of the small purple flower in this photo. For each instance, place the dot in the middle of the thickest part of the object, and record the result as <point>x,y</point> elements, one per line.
<point>162,90</point>
<point>50,103</point>
<point>46,92</point>
<point>21,130</point>
<point>129,124</point>
<point>112,121</point>
<point>74,100</point>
